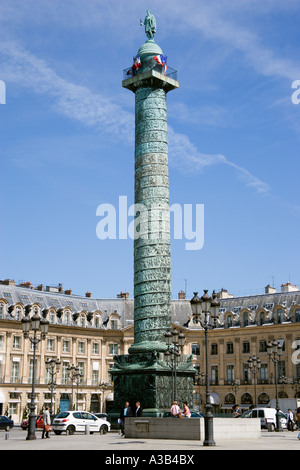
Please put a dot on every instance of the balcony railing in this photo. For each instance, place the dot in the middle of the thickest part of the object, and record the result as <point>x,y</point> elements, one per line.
<point>170,72</point>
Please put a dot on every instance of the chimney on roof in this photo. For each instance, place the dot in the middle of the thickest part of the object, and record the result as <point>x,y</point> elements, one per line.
<point>181,295</point>
<point>288,287</point>
<point>123,295</point>
<point>68,292</point>
<point>223,294</point>
<point>270,290</point>
<point>40,287</point>
<point>8,282</point>
<point>88,294</point>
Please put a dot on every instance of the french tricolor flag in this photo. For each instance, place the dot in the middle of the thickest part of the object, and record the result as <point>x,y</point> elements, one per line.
<point>161,60</point>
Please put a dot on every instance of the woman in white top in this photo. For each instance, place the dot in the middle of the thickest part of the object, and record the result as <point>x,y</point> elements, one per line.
<point>175,410</point>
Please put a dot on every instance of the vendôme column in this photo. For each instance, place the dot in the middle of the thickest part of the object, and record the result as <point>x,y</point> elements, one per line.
<point>143,374</point>
<point>152,255</point>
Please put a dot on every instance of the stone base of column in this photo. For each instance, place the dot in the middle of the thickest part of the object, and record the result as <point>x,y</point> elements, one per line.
<point>147,378</point>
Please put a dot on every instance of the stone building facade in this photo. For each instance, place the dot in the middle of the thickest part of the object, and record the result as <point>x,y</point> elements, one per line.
<point>88,332</point>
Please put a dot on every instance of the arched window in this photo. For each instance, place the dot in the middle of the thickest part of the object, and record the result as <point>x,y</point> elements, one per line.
<point>230,399</point>
<point>245,319</point>
<point>261,318</point>
<point>279,316</point>
<point>246,399</point>
<point>229,321</point>
<point>263,399</point>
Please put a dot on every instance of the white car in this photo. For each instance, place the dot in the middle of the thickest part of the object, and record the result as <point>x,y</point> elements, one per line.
<point>71,421</point>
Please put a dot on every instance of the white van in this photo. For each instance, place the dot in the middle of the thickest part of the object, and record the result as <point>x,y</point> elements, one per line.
<point>268,417</point>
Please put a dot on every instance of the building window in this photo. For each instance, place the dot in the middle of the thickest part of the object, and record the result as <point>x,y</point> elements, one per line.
<point>196,349</point>
<point>214,349</point>
<point>1,311</point>
<point>246,347</point>
<point>50,345</point>
<point>15,372</point>
<point>95,348</point>
<point>229,348</point>
<point>113,348</point>
<point>114,324</point>
<point>229,321</point>
<point>264,373</point>
<point>66,346</point>
<point>245,318</point>
<point>297,315</point>
<point>81,347</point>
<point>214,375</point>
<point>17,342</point>
<point>261,318</point>
<point>263,346</point>
<point>279,316</point>
<point>95,378</point>
<point>230,373</point>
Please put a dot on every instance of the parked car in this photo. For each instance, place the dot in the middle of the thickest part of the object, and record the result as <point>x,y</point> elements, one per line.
<point>6,423</point>
<point>101,415</point>
<point>72,421</point>
<point>39,423</point>
<point>267,417</point>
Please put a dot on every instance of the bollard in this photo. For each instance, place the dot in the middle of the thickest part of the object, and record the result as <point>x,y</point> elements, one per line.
<point>87,428</point>
<point>6,435</point>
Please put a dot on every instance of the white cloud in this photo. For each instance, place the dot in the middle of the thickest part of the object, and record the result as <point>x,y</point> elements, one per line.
<point>94,110</point>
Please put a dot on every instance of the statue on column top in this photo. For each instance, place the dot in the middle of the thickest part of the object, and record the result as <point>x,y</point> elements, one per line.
<point>150,25</point>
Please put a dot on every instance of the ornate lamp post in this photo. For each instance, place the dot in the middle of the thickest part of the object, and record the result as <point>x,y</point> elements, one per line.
<point>275,351</point>
<point>175,342</point>
<point>207,311</point>
<point>103,386</point>
<point>199,377</point>
<point>35,324</point>
<point>254,366</point>
<point>74,375</point>
<point>53,366</point>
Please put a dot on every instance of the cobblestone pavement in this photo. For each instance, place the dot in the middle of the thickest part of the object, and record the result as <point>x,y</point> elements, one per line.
<point>16,440</point>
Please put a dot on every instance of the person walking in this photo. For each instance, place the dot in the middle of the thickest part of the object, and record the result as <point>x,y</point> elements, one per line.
<point>47,423</point>
<point>125,413</point>
<point>186,410</point>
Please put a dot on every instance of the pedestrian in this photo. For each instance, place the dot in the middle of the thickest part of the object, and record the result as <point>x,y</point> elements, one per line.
<point>125,413</point>
<point>138,410</point>
<point>290,420</point>
<point>297,418</point>
<point>175,410</point>
<point>47,423</point>
<point>186,410</point>
<point>236,411</point>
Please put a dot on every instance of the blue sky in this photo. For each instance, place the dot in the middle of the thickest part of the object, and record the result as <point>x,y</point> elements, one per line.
<point>67,142</point>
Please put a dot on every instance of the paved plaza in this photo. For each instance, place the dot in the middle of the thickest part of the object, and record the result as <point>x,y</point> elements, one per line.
<point>114,442</point>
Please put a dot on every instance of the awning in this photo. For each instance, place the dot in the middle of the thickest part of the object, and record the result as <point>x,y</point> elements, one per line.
<point>214,399</point>
<point>110,397</point>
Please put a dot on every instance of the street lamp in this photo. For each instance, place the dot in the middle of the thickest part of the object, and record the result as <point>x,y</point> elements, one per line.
<point>275,352</point>
<point>254,366</point>
<point>175,342</point>
<point>35,324</point>
<point>210,308</point>
<point>75,376</point>
<point>103,386</point>
<point>51,365</point>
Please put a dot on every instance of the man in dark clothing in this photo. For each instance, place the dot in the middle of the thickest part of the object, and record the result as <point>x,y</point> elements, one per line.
<point>138,411</point>
<point>125,412</point>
